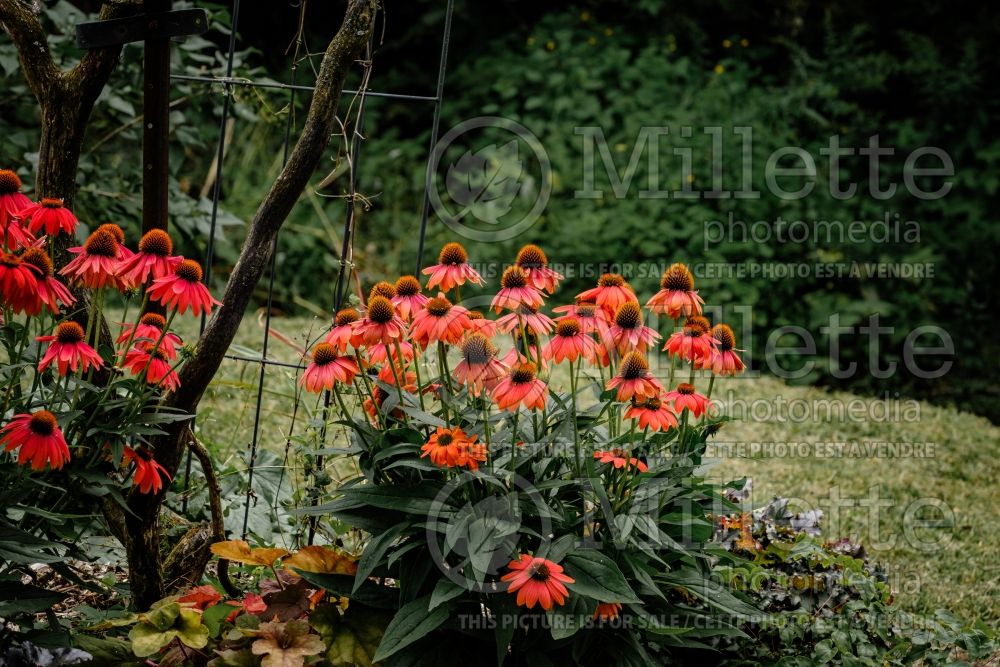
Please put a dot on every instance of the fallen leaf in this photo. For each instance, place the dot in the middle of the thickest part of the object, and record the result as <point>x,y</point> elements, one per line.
<point>239,551</point>
<point>321,559</point>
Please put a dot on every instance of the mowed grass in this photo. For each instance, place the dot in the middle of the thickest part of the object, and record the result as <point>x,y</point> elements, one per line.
<point>932,520</point>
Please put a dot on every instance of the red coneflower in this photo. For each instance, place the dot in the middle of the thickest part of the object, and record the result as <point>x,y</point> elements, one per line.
<point>452,269</point>
<point>627,332</point>
<point>50,215</point>
<point>50,292</point>
<point>40,439</point>
<point>154,259</point>
<point>408,299</point>
<point>634,379</point>
<point>452,448</point>
<point>145,356</point>
<point>693,342</point>
<point>183,289</point>
<point>380,352</point>
<point>533,321</point>
<point>537,581</point>
<point>723,359</point>
<point>18,284</point>
<point>150,328</point>
<point>12,201</point>
<point>570,342</point>
<point>439,320</point>
<point>592,318</point>
<point>676,296</point>
<point>479,324</point>
<point>479,367</point>
<point>68,351</point>
<point>96,262</point>
<point>611,292</point>
<point>535,264</point>
<point>381,324</point>
<point>327,368</point>
<point>652,413</point>
<point>343,333</point>
<point>515,290</point>
<point>686,398</point>
<point>521,387</point>
<point>619,460</point>
<point>147,476</point>
<point>607,611</point>
<point>409,379</point>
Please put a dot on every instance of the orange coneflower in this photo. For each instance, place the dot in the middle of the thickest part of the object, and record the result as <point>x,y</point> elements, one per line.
<point>723,359</point>
<point>452,448</point>
<point>515,290</point>
<point>12,201</point>
<point>479,324</point>
<point>479,367</point>
<point>627,332</point>
<point>96,262</point>
<point>652,413</point>
<point>521,387</point>
<point>611,292</point>
<point>68,351</point>
<point>535,264</point>
<point>570,342</point>
<point>146,356</point>
<point>439,320</point>
<point>152,261</point>
<point>147,476</point>
<point>686,398</point>
<point>49,214</point>
<point>619,460</point>
<point>50,292</point>
<point>677,296</point>
<point>183,289</point>
<point>607,611</point>
<point>537,580</point>
<point>381,324</point>
<point>533,321</point>
<point>380,352</point>
<point>408,299</point>
<point>39,437</point>
<point>18,284</point>
<point>382,288</point>
<point>327,368</point>
<point>452,269</point>
<point>150,327</point>
<point>693,342</point>
<point>343,333</point>
<point>634,378</point>
<point>592,318</point>
<point>525,347</point>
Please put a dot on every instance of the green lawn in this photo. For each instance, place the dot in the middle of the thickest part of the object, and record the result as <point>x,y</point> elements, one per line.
<point>932,563</point>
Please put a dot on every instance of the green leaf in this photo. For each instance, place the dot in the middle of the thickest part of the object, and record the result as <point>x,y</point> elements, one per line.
<point>444,590</point>
<point>369,593</point>
<point>598,577</point>
<point>18,598</point>
<point>375,552</point>
<point>411,623</point>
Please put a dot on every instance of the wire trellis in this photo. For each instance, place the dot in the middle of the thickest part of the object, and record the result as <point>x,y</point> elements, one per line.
<point>353,143</point>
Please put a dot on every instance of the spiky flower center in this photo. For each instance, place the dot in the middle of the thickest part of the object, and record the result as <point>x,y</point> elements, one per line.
<point>69,333</point>
<point>345,317</point>
<point>42,423</point>
<point>568,328</point>
<point>685,388</point>
<point>380,310</point>
<point>477,349</point>
<point>189,270</point>
<point>324,353</point>
<point>724,334</point>
<point>475,315</point>
<point>677,277</point>
<point>541,572</point>
<point>653,403</point>
<point>9,182</point>
<point>611,280</point>
<point>382,288</point>
<point>454,254</point>
<point>407,286</point>
<point>52,202</point>
<point>445,439</point>
<point>101,243</point>
<point>114,230</point>
<point>10,261</point>
<point>514,277</point>
<point>696,326</point>
<point>586,309</point>
<point>156,242</point>
<point>39,259</point>
<point>531,257</point>
<point>634,366</point>
<point>438,306</point>
<point>154,320</point>
<point>629,315</point>
<point>523,373</point>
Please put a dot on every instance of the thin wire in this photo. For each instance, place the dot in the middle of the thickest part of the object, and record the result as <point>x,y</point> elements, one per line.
<point>435,125</point>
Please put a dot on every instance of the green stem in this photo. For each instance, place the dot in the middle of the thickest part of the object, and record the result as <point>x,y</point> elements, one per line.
<point>576,431</point>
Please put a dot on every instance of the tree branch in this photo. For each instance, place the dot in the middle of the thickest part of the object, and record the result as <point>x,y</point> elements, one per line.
<point>26,32</point>
<point>96,64</point>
